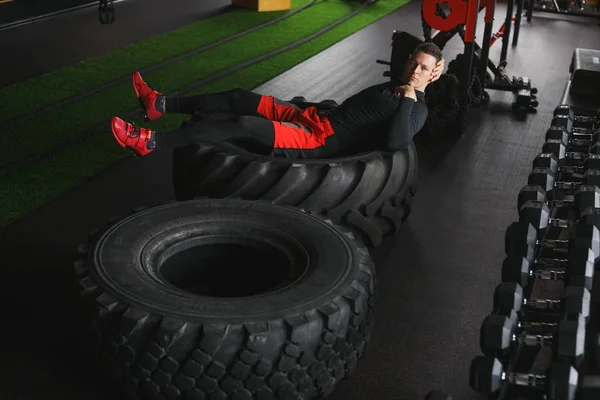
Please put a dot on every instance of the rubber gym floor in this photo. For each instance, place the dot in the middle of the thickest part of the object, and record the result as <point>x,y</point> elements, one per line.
<point>436,278</point>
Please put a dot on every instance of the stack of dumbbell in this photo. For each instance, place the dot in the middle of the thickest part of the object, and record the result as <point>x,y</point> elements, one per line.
<point>557,238</point>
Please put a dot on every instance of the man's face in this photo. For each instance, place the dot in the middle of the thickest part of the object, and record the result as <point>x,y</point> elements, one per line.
<point>418,70</point>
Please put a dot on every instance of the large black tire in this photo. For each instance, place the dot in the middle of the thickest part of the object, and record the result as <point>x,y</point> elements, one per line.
<point>371,192</point>
<point>286,314</point>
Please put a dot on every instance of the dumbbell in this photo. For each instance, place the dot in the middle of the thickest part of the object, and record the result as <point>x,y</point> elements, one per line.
<point>572,136</point>
<point>579,268</point>
<point>550,161</point>
<point>559,149</point>
<point>546,179</point>
<point>569,125</point>
<point>520,236</point>
<point>537,213</point>
<point>508,297</point>
<point>487,375</point>
<point>565,111</point>
<point>586,196</point>
<point>435,395</point>
<point>500,334</point>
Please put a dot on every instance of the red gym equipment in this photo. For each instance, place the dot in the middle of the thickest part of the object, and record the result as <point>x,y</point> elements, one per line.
<point>462,19</point>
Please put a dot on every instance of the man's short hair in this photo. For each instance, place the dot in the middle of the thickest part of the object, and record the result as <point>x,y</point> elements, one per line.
<point>430,48</point>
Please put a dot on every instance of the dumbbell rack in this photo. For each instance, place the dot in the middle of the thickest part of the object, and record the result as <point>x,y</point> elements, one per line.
<point>521,358</point>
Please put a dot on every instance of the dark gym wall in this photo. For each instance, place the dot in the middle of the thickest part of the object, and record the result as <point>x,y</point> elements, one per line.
<point>86,37</point>
<point>16,10</point>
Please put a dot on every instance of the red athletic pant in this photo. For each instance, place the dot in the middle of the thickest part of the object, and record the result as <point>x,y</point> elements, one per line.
<point>294,128</point>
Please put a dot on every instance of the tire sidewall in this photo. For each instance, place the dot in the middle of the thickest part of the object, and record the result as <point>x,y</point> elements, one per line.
<point>118,267</point>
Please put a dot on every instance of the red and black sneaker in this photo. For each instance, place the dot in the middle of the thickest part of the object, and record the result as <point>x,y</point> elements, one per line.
<point>146,97</point>
<point>140,141</point>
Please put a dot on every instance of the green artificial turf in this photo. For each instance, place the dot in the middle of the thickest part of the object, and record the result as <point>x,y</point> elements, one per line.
<point>31,187</point>
<point>65,82</point>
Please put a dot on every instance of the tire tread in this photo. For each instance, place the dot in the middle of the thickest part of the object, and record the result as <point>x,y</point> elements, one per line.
<point>168,358</point>
<point>369,186</point>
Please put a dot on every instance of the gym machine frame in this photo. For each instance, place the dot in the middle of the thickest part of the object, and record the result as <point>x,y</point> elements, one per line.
<point>441,38</point>
<point>464,14</point>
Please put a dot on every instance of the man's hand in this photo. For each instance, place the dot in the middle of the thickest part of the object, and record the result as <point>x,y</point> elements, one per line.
<point>406,91</point>
<point>437,71</point>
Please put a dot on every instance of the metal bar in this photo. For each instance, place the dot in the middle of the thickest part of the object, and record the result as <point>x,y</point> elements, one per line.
<point>506,34</point>
<point>487,41</point>
<point>518,22</point>
<point>469,40</point>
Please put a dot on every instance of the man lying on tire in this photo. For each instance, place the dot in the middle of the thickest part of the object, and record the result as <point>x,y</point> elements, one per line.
<point>381,117</point>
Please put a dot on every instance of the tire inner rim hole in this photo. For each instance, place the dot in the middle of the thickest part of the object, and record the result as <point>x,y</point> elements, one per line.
<point>228,269</point>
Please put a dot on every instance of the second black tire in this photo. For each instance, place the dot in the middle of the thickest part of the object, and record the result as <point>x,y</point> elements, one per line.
<point>225,299</point>
<point>371,192</point>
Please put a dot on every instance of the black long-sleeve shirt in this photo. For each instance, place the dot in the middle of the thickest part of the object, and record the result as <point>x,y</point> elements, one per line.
<point>375,119</point>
